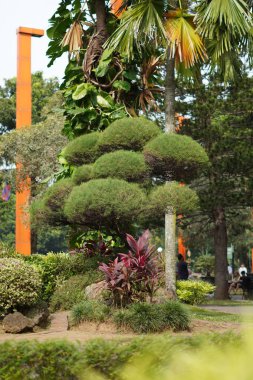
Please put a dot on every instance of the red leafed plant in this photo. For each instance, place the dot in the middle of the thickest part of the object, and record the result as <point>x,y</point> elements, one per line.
<point>133,275</point>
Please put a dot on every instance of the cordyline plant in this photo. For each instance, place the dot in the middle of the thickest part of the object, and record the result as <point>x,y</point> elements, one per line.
<point>133,275</point>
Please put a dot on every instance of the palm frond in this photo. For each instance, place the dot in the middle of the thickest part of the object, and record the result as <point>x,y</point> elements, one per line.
<point>140,23</point>
<point>184,42</point>
<point>73,39</point>
<point>231,16</point>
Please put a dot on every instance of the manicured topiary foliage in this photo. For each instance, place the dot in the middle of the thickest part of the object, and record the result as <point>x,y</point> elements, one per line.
<point>172,194</point>
<point>81,150</point>
<point>128,134</point>
<point>82,174</point>
<point>175,157</point>
<point>123,164</point>
<point>105,202</point>
<point>49,210</point>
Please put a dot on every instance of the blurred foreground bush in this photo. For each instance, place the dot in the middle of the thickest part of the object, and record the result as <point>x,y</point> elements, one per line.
<point>206,357</point>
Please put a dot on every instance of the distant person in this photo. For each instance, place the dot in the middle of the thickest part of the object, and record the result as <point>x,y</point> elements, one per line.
<point>235,284</point>
<point>242,269</point>
<point>182,268</point>
<point>230,272</point>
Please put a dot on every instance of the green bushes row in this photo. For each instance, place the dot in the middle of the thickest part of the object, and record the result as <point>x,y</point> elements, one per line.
<point>139,317</point>
<point>144,358</point>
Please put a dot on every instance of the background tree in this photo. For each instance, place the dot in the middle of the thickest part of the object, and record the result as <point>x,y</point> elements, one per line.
<point>224,114</point>
<point>42,90</point>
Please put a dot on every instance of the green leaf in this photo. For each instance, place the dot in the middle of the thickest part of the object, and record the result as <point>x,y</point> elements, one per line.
<point>131,74</point>
<point>102,102</point>
<point>122,85</point>
<point>102,68</point>
<point>83,90</point>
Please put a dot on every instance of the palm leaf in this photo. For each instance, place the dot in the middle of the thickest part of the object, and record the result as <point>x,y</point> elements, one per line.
<point>184,42</point>
<point>139,24</point>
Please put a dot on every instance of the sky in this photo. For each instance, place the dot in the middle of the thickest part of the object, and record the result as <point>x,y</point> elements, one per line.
<point>33,14</point>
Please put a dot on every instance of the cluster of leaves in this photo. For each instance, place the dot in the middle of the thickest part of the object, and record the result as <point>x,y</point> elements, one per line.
<point>205,264</point>
<point>193,292</point>
<point>20,284</point>
<point>92,311</point>
<point>133,276</point>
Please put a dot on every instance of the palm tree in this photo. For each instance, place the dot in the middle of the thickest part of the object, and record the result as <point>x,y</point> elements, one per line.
<point>213,32</point>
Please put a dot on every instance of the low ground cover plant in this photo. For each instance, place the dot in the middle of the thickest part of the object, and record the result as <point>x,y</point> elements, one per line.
<point>151,318</point>
<point>20,285</point>
<point>93,311</point>
<point>193,292</point>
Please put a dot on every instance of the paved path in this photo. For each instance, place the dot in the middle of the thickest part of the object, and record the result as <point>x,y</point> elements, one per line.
<point>231,309</point>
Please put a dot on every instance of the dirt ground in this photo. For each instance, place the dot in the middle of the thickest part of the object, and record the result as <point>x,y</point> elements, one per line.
<point>86,331</point>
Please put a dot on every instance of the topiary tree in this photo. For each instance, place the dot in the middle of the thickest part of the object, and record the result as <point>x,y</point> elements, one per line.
<point>129,150</point>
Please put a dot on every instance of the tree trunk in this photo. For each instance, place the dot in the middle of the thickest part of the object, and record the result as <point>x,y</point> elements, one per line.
<point>170,254</point>
<point>100,10</point>
<point>220,248</point>
<point>170,217</point>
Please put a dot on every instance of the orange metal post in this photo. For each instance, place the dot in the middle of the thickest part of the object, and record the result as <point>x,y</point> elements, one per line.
<point>116,4</point>
<point>24,118</point>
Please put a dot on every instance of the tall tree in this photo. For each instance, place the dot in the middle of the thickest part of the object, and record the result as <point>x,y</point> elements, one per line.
<point>221,119</point>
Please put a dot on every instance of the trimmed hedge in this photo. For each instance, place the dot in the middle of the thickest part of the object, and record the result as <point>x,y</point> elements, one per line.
<point>49,209</point>
<point>82,174</point>
<point>82,150</point>
<point>194,292</point>
<point>181,198</point>
<point>20,284</point>
<point>128,134</point>
<point>122,164</point>
<point>175,156</point>
<point>104,202</point>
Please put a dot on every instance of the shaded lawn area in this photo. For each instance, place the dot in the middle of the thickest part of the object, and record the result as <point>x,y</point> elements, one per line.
<point>217,316</point>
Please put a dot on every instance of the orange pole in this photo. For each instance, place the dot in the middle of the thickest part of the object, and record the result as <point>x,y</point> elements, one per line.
<point>24,118</point>
<point>116,4</point>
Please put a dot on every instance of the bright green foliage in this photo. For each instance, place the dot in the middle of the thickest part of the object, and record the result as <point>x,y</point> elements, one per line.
<point>175,156</point>
<point>20,284</point>
<point>105,202</point>
<point>82,174</point>
<point>7,250</point>
<point>127,165</point>
<point>82,150</point>
<point>33,360</point>
<point>50,209</point>
<point>71,291</point>
<point>150,318</point>
<point>172,194</point>
<point>128,133</point>
<point>193,292</point>
<point>93,311</point>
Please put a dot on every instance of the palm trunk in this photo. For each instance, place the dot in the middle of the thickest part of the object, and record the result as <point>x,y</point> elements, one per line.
<point>100,10</point>
<point>220,248</point>
<point>170,217</point>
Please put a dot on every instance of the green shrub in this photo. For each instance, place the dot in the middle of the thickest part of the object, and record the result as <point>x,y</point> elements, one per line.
<point>104,201</point>
<point>150,318</point>
<point>20,284</point>
<point>7,250</point>
<point>61,266</point>
<point>193,292</point>
<point>93,311</point>
<point>82,150</point>
<point>71,291</point>
<point>183,200</point>
<point>122,164</point>
<point>128,134</point>
<point>83,173</point>
<point>43,361</point>
<point>175,156</point>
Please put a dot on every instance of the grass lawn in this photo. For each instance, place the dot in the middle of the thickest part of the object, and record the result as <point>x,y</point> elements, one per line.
<point>217,316</point>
